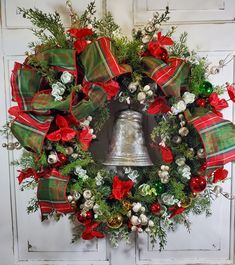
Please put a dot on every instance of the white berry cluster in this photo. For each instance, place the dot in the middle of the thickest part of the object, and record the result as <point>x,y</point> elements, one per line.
<point>181,104</point>
<point>164,174</point>
<point>145,93</point>
<point>81,173</point>
<point>85,122</point>
<point>139,221</point>
<point>183,169</point>
<point>59,88</point>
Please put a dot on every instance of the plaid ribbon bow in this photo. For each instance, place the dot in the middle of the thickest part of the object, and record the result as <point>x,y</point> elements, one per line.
<point>218,137</point>
<point>33,116</point>
<point>171,76</point>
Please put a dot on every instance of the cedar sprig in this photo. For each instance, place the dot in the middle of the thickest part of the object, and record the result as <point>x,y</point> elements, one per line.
<point>198,76</point>
<point>46,22</point>
<point>88,15</point>
<point>180,48</point>
<point>127,52</point>
<point>106,26</point>
<point>101,116</point>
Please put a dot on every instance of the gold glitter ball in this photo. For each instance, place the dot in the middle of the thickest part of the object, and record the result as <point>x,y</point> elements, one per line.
<point>115,221</point>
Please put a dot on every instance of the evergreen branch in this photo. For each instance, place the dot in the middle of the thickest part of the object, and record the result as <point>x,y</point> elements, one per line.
<point>46,22</point>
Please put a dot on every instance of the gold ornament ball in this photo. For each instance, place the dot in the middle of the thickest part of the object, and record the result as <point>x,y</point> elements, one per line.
<point>69,150</point>
<point>186,202</point>
<point>115,221</point>
<point>73,204</point>
<point>126,205</point>
<point>193,195</point>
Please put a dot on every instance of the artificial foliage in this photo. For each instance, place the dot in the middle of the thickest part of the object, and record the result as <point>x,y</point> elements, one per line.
<point>64,90</point>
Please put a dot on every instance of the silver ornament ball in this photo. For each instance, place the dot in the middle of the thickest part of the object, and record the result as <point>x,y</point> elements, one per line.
<point>183,131</point>
<point>217,190</point>
<point>70,198</point>
<point>69,150</point>
<point>52,158</point>
<point>201,153</point>
<point>176,139</point>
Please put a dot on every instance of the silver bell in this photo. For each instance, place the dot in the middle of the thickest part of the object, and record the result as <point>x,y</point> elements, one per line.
<point>128,147</point>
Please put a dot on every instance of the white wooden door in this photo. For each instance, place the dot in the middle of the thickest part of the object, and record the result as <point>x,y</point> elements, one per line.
<point>23,239</point>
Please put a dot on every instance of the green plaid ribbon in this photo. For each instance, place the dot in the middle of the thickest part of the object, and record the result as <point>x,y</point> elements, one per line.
<point>171,77</point>
<point>59,59</point>
<point>218,137</point>
<point>99,63</point>
<point>51,193</point>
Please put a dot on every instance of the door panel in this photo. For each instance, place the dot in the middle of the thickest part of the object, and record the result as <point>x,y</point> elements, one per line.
<point>24,239</point>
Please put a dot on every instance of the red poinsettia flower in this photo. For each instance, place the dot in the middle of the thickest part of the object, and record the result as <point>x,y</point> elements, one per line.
<point>176,210</point>
<point>80,45</point>
<point>121,188</point>
<point>218,113</point>
<point>219,174</point>
<point>216,102</point>
<point>80,34</point>
<point>158,106</point>
<point>166,153</point>
<point>157,48</point>
<point>90,232</point>
<point>64,133</point>
<point>231,92</point>
<point>85,137</point>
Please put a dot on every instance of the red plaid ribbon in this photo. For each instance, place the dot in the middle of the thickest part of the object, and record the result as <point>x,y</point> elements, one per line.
<point>170,77</point>
<point>218,137</point>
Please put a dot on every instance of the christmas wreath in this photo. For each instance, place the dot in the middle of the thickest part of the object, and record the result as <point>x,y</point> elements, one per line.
<point>64,90</point>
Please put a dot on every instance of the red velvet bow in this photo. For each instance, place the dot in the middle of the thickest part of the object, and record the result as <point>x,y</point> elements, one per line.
<point>176,210</point>
<point>219,174</point>
<point>85,138</point>
<point>111,88</point>
<point>80,34</point>
<point>231,92</point>
<point>90,232</point>
<point>121,188</point>
<point>64,133</point>
<point>166,153</point>
<point>158,106</point>
<point>157,49</point>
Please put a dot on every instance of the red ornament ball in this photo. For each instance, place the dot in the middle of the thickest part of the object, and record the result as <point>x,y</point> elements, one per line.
<point>197,184</point>
<point>155,208</point>
<point>84,219</point>
<point>62,158</point>
<point>201,102</point>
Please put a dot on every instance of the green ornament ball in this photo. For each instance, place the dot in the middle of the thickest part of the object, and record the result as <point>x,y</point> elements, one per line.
<point>160,188</point>
<point>206,88</point>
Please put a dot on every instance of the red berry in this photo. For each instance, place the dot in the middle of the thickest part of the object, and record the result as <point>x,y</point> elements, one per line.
<point>201,102</point>
<point>84,219</point>
<point>155,208</point>
<point>62,158</point>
